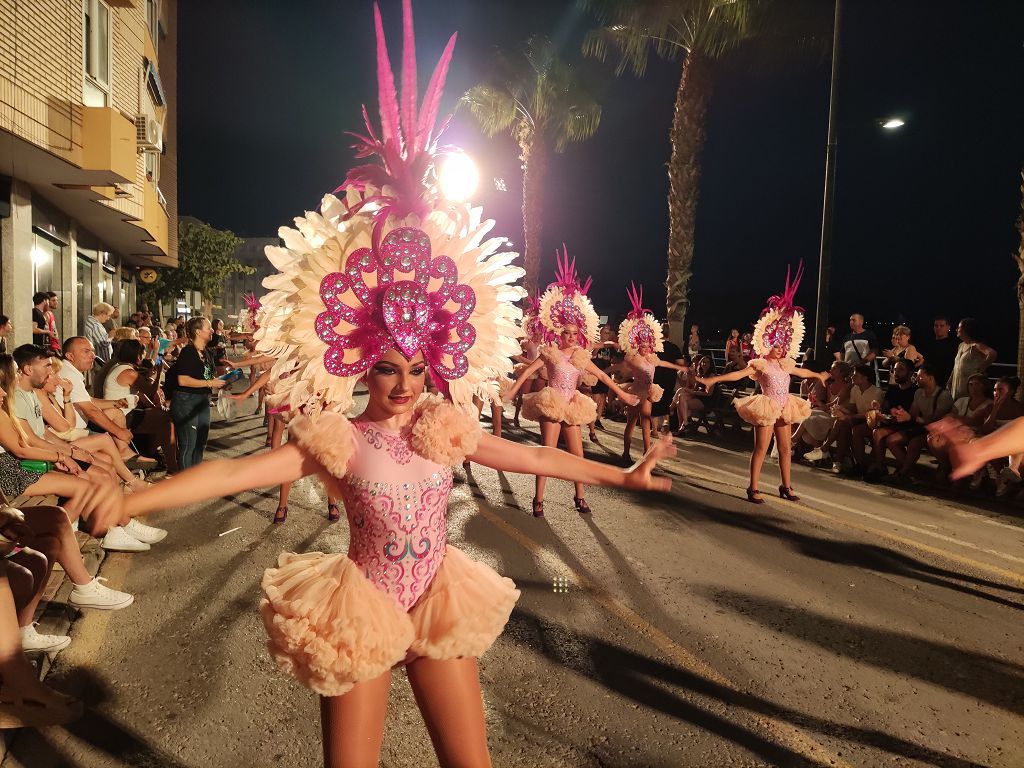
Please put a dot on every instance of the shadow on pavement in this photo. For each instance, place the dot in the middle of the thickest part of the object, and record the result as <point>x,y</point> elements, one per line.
<point>643,680</point>
<point>982,677</point>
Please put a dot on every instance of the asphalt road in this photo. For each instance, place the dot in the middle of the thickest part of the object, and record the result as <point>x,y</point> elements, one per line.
<point>860,627</point>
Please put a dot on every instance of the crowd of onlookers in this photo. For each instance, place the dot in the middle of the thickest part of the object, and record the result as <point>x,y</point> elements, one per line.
<point>108,409</point>
<point>877,414</point>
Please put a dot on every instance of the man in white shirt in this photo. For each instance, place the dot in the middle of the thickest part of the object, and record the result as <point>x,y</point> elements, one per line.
<point>851,424</point>
<point>91,412</point>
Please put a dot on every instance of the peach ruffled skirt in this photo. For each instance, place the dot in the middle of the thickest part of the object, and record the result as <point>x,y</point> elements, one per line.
<point>652,392</point>
<point>762,411</point>
<point>330,628</point>
<point>550,405</point>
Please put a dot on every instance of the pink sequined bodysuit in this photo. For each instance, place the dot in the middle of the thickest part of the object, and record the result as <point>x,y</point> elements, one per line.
<point>563,376</point>
<point>396,502</point>
<point>643,375</point>
<point>774,383</point>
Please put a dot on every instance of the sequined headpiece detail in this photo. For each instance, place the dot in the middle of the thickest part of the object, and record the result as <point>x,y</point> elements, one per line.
<point>639,330</point>
<point>781,324</point>
<point>403,314</point>
<point>565,302</point>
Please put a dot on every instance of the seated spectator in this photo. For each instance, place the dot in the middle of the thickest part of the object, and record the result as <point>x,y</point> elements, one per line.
<point>690,397</point>
<point>907,435</point>
<point>102,415</point>
<point>96,333</point>
<point>27,702</point>
<point>968,417</point>
<point>972,356</point>
<point>901,349</point>
<point>816,432</point>
<point>881,420</point>
<point>6,329</point>
<point>126,379</point>
<point>97,451</point>
<point>112,322</point>
<point>123,333</point>
<point>864,396</point>
<point>1005,408</point>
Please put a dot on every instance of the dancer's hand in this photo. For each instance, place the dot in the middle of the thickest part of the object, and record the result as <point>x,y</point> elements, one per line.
<point>631,400</point>
<point>639,477</point>
<point>101,504</point>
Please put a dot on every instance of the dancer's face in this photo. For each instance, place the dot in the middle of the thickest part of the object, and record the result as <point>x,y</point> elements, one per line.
<point>568,336</point>
<point>776,353</point>
<point>395,384</point>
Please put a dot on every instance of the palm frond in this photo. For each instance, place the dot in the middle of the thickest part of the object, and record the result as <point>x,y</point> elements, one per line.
<point>493,107</point>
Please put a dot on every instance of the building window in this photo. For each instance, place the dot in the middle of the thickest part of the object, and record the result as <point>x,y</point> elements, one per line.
<point>152,166</point>
<point>85,291</point>
<point>46,256</point>
<point>96,33</point>
<point>153,20</point>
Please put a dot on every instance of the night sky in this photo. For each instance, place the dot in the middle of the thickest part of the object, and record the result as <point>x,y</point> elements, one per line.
<point>924,217</point>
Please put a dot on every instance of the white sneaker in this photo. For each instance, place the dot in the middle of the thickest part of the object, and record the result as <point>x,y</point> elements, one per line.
<point>119,540</point>
<point>815,455</point>
<point>147,534</point>
<point>31,640</point>
<point>96,595</point>
<point>836,468</point>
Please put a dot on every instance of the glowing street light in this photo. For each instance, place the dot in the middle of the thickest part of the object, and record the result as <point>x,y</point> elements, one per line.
<point>458,177</point>
<point>892,123</point>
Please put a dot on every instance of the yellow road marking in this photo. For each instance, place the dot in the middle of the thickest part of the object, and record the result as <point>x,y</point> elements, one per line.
<point>993,570</point>
<point>788,735</point>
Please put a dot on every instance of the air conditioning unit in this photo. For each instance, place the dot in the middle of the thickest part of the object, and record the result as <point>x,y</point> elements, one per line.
<point>147,133</point>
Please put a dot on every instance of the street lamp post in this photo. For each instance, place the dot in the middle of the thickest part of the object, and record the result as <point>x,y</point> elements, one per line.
<point>825,251</point>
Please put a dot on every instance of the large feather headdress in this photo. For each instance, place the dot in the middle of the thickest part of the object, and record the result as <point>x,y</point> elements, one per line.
<point>639,329</point>
<point>387,262</point>
<point>781,323</point>
<point>565,302</point>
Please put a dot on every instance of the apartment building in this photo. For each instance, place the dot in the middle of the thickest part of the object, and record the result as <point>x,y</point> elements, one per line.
<point>88,162</point>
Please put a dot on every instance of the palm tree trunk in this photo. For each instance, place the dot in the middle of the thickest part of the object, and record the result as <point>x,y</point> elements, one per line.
<point>1019,258</point>
<point>534,157</point>
<point>687,137</point>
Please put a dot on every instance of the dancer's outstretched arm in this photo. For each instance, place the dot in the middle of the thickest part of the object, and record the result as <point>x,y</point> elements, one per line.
<point>527,372</point>
<point>968,457</point>
<point>211,480</point>
<point>260,382</point>
<point>806,373</point>
<point>496,453</point>
<point>624,396</point>
<point>744,373</point>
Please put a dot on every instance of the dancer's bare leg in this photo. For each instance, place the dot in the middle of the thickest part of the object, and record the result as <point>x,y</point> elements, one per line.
<point>645,423</point>
<point>28,573</point>
<point>762,439</point>
<point>276,440</point>
<point>549,437</point>
<point>574,443</point>
<point>632,414</point>
<point>784,439</point>
<point>496,413</point>
<point>448,695</point>
<point>353,724</point>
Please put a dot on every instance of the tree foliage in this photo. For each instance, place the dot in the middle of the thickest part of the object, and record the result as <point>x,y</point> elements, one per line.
<point>205,260</point>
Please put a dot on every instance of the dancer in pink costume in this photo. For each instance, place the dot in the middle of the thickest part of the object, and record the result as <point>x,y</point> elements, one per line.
<point>382,294</point>
<point>531,342</point>
<point>569,320</point>
<point>777,337</point>
<point>640,337</point>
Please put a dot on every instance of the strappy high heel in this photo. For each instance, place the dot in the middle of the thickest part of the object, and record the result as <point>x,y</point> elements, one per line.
<point>754,496</point>
<point>538,508</point>
<point>786,492</point>
<point>581,505</point>
<point>333,513</point>
<point>281,514</point>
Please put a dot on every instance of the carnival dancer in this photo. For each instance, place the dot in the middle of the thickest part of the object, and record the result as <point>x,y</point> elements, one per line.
<point>640,338</point>
<point>777,337</point>
<point>383,293</point>
<point>530,343</point>
<point>570,321</point>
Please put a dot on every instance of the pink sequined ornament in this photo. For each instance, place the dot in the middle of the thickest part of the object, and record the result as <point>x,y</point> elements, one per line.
<point>403,314</point>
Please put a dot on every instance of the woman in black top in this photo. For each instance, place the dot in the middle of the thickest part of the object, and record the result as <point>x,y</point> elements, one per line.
<point>190,403</point>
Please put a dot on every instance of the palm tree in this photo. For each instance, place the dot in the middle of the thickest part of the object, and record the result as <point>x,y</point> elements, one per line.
<point>701,32</point>
<point>540,100</point>
<point>1019,258</point>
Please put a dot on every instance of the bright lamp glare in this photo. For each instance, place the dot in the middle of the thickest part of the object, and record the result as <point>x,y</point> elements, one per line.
<point>893,122</point>
<point>458,177</point>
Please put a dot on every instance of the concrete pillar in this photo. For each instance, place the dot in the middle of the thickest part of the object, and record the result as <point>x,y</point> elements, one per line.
<point>68,306</point>
<point>16,267</point>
